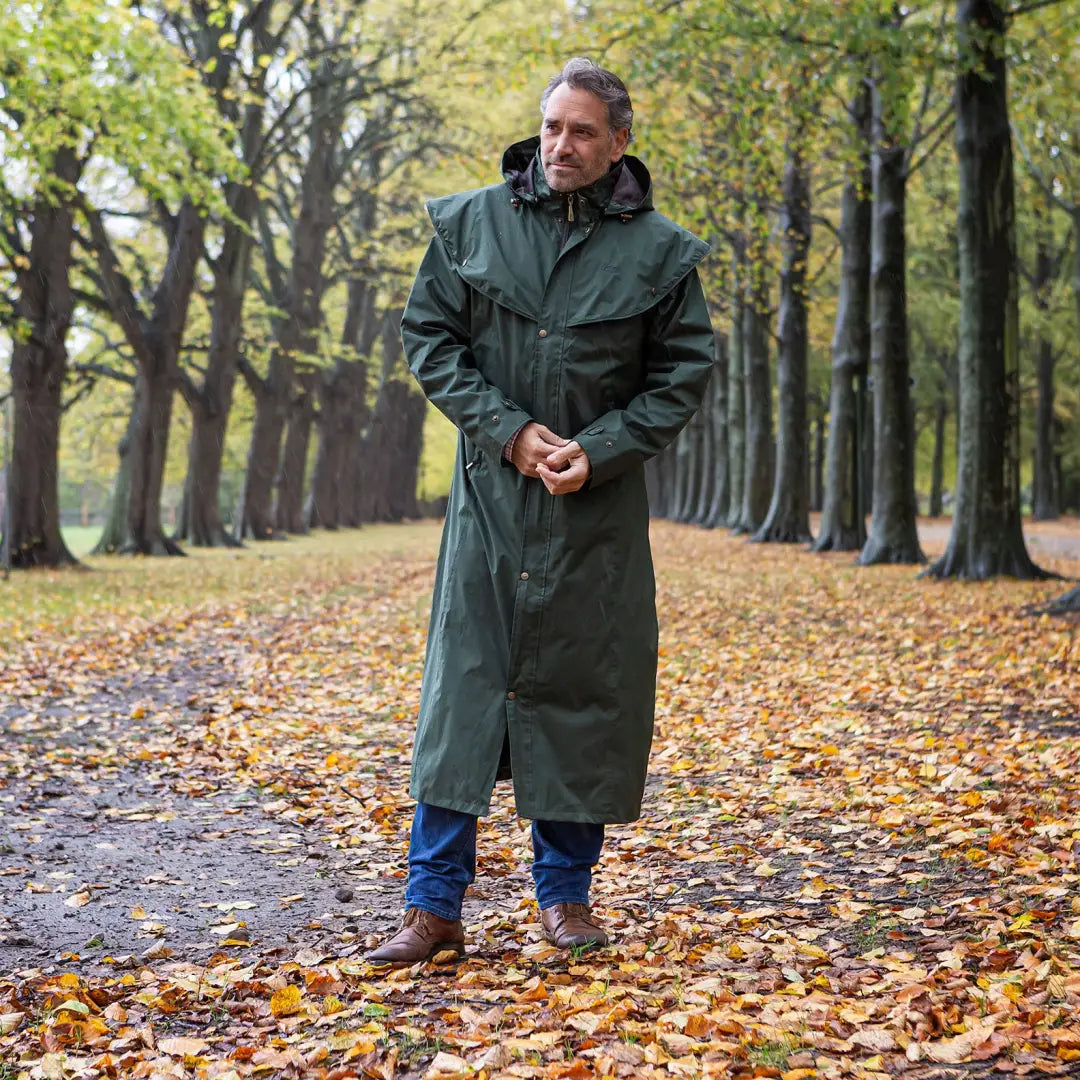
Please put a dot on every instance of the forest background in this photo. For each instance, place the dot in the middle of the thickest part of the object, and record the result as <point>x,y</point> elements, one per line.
<point>223,203</point>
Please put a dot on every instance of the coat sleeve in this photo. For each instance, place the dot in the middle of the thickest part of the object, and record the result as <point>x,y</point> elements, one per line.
<point>436,334</point>
<point>679,354</point>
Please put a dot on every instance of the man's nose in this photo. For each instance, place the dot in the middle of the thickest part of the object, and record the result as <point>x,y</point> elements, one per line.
<point>562,145</point>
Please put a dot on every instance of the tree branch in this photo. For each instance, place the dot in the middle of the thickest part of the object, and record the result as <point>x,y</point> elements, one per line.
<point>95,368</point>
<point>1032,5</point>
<point>1037,175</point>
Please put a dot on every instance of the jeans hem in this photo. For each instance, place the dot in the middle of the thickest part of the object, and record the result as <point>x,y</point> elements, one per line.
<point>434,907</point>
<point>562,900</point>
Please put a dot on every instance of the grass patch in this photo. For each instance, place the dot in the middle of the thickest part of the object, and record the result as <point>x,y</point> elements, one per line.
<point>114,594</point>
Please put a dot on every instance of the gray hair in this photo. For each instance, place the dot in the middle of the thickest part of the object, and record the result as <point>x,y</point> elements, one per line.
<point>582,74</point>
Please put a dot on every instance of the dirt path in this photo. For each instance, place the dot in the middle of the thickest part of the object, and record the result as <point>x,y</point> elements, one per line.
<point>859,835</point>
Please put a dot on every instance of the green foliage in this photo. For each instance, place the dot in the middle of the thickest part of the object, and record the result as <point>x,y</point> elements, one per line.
<point>102,80</point>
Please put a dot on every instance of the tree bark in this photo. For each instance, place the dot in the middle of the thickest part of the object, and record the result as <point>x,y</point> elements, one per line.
<point>1076,263</point>
<point>716,513</point>
<point>788,518</point>
<point>137,527</point>
<point>211,401</point>
<point>843,527</point>
<point>937,471</point>
<point>38,365</point>
<point>986,538</point>
<point>289,509</point>
<point>299,296</point>
<point>893,534</point>
<point>757,465</point>
<point>395,440</point>
<point>706,478</point>
<point>817,476</point>
<point>736,393</point>
<point>1043,495</point>
<point>654,484</point>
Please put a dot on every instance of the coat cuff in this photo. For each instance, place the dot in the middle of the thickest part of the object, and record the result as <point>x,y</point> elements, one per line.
<point>600,441</point>
<point>499,426</point>
<point>508,449</point>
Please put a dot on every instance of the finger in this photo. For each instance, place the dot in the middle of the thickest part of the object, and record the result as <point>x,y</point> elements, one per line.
<point>559,458</point>
<point>565,482</point>
<point>550,479</point>
<point>549,436</point>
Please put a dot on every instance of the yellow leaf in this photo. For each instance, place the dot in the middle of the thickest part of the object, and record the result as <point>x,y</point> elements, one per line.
<point>79,899</point>
<point>285,1001</point>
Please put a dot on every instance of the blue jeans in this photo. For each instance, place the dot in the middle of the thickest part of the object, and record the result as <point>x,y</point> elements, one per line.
<point>442,860</point>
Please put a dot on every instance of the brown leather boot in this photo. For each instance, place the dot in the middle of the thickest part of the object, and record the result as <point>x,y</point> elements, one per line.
<point>422,936</point>
<point>566,925</point>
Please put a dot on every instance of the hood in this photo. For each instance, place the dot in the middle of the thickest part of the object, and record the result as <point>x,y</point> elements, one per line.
<point>626,188</point>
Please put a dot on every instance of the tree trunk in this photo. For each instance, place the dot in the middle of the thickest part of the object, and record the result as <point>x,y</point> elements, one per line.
<point>817,477</point>
<point>1043,496</point>
<point>395,440</point>
<point>299,295</point>
<point>788,517</point>
<point>343,415</point>
<point>757,467</point>
<point>681,473</point>
<point>986,538</point>
<point>211,403</point>
<point>716,513</point>
<point>1076,263</point>
<point>289,510</point>
<point>843,527</point>
<point>1044,499</point>
<point>937,472</point>
<point>736,393</point>
<point>706,477</point>
<point>38,366</point>
<point>893,534</point>
<point>654,484</point>
<point>137,527</point>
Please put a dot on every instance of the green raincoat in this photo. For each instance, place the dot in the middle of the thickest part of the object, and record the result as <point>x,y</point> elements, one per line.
<point>583,312</point>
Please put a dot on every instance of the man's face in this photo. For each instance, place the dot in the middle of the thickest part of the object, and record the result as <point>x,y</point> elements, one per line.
<point>576,145</point>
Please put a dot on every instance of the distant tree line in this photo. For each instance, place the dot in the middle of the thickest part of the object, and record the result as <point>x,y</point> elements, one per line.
<point>240,207</point>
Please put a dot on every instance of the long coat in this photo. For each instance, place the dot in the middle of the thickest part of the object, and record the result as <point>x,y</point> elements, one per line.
<point>583,312</point>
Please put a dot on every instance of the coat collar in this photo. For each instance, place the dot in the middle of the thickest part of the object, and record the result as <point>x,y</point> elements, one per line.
<point>626,188</point>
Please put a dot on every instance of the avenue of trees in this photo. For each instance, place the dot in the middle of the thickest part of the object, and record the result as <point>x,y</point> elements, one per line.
<point>210,213</point>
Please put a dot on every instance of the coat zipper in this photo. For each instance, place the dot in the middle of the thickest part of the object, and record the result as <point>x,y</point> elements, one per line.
<point>570,207</point>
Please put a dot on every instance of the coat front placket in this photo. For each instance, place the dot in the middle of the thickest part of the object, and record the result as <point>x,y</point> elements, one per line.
<point>526,639</point>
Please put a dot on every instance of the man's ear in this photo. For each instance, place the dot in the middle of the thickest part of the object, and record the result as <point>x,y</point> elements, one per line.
<point>621,138</point>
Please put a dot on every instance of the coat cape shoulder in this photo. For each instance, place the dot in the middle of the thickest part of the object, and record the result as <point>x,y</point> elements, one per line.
<point>635,260</point>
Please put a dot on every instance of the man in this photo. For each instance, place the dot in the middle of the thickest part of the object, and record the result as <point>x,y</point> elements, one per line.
<point>558,321</point>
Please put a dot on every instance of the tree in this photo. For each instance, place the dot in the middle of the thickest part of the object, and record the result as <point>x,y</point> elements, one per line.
<point>986,538</point>
<point>247,44</point>
<point>788,516</point>
<point>55,103</point>
<point>843,527</point>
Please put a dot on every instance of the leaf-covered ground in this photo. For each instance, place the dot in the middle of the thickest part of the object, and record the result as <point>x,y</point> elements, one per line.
<point>858,855</point>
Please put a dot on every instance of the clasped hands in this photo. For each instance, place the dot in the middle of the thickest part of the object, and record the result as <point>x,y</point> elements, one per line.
<point>560,463</point>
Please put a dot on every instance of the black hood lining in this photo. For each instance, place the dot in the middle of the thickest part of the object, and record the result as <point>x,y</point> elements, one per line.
<point>633,185</point>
